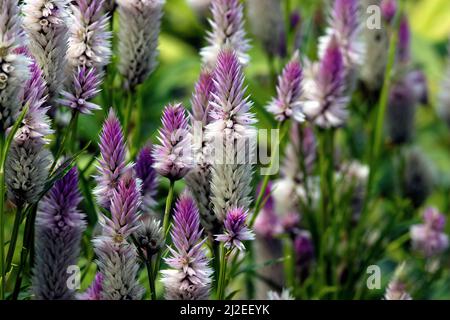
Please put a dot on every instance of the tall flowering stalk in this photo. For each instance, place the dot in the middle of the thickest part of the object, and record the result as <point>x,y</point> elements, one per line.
<point>59,226</point>
<point>112,160</point>
<point>235,234</point>
<point>117,258</point>
<point>198,179</point>
<point>227,26</point>
<point>140,22</point>
<point>233,137</point>
<point>45,22</point>
<point>289,91</point>
<point>189,276</point>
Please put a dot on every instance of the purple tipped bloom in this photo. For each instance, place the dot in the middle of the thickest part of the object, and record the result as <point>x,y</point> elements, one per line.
<point>125,204</point>
<point>59,226</point>
<point>145,172</point>
<point>388,9</point>
<point>289,91</point>
<point>429,238</point>
<point>112,160</point>
<point>173,156</point>
<point>404,41</point>
<point>198,179</point>
<point>235,230</point>
<point>325,89</point>
<point>227,32</point>
<point>189,276</point>
<point>345,26</point>
<point>85,86</point>
<point>94,292</point>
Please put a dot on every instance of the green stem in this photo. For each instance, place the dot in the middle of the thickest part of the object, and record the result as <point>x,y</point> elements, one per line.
<point>222,274</point>
<point>14,235</point>
<point>128,111</point>
<point>2,216</point>
<point>138,122</point>
<point>151,277</point>
<point>67,133</point>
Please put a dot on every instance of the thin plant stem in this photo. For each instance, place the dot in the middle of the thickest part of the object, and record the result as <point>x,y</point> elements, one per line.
<point>151,277</point>
<point>222,274</point>
<point>14,235</point>
<point>66,136</point>
<point>138,120</point>
<point>2,216</point>
<point>128,112</point>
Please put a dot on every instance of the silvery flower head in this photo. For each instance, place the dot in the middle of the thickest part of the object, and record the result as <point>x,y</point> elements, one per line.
<point>118,263</point>
<point>396,289</point>
<point>140,22</point>
<point>198,179</point>
<point>429,238</point>
<point>267,23</point>
<point>145,171</point>
<point>325,89</point>
<point>228,30</point>
<point>150,235</point>
<point>124,208</point>
<point>189,273</point>
<point>172,157</point>
<point>59,227</point>
<point>235,230</point>
<point>94,292</point>
<point>85,86</point>
<point>89,38</point>
<point>45,22</point>
<point>232,135</point>
<point>289,91</point>
<point>345,26</point>
<point>13,65</point>
<point>112,160</point>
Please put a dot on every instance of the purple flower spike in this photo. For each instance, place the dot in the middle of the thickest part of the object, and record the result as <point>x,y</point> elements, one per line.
<point>388,9</point>
<point>112,160</point>
<point>404,41</point>
<point>59,226</point>
<point>289,91</point>
<point>227,31</point>
<point>125,204</point>
<point>428,238</point>
<point>173,156</point>
<point>94,292</point>
<point>345,26</point>
<point>202,97</point>
<point>189,276</point>
<point>325,89</point>
<point>236,230</point>
<point>86,85</point>
<point>145,172</point>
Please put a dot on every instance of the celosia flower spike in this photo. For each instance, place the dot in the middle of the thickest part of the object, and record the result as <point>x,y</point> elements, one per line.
<point>235,230</point>
<point>145,171</point>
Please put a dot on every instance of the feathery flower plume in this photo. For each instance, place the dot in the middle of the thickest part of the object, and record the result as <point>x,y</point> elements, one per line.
<point>325,89</point>
<point>117,261</point>
<point>267,24</point>
<point>417,177</point>
<point>94,292</point>
<point>13,66</point>
<point>198,179</point>
<point>112,160</point>
<point>140,22</point>
<point>59,226</point>
<point>227,32</point>
<point>189,276</point>
<point>145,172</point>
<point>232,136</point>
<point>28,160</point>
<point>45,22</point>
<point>150,235</point>
<point>172,158</point>
<point>235,230</point>
<point>125,204</point>
<point>345,26</point>
<point>429,238</point>
<point>85,86</point>
<point>289,91</point>
<point>89,39</point>
<point>396,289</point>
